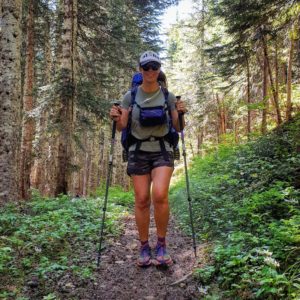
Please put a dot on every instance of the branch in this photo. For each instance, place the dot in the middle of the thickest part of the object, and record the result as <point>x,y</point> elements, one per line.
<point>184,278</point>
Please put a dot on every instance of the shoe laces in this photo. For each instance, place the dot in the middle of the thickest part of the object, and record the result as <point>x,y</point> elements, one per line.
<point>145,251</point>
<point>161,249</point>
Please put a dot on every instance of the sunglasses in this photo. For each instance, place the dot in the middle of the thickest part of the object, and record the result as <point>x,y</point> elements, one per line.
<point>151,65</point>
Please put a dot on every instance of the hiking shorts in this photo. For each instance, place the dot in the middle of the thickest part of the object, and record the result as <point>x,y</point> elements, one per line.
<point>143,162</point>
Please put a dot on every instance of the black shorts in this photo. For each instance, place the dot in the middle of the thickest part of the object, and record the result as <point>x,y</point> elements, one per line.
<point>145,162</point>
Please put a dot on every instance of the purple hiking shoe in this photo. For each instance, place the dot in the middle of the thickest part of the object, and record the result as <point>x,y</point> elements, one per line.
<point>162,258</point>
<point>145,256</point>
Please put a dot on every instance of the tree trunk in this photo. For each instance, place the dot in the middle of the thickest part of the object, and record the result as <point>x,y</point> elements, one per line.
<point>273,88</point>
<point>86,174</point>
<point>276,75</point>
<point>52,142</point>
<point>236,133</point>
<point>101,156</point>
<point>265,97</point>
<point>66,114</point>
<point>202,33</point>
<point>289,81</point>
<point>221,114</point>
<point>200,138</point>
<point>10,98</point>
<point>48,52</point>
<point>42,166</point>
<point>248,99</point>
<point>28,122</point>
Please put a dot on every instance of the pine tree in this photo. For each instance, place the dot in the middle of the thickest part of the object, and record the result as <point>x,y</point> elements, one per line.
<point>67,95</point>
<point>10,102</point>
<point>28,121</point>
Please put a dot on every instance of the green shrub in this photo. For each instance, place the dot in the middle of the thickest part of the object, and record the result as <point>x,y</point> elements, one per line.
<point>45,237</point>
<point>117,195</point>
<point>247,200</point>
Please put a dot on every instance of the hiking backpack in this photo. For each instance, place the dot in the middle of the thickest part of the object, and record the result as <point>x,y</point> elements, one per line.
<point>127,139</point>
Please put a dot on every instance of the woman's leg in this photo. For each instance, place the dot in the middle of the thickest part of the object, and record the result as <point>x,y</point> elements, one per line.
<point>141,184</point>
<point>161,177</point>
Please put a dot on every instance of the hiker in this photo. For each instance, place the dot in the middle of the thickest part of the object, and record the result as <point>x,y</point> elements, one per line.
<point>150,159</point>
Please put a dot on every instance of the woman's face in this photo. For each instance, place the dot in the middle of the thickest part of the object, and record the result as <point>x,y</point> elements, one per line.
<point>150,72</point>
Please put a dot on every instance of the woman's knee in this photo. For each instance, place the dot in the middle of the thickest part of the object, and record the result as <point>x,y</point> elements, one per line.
<point>160,198</point>
<point>142,202</point>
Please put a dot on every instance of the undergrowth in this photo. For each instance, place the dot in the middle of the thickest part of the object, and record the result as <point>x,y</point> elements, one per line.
<point>246,200</point>
<point>46,238</point>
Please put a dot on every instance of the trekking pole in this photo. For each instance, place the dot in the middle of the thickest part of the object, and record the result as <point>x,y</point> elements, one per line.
<point>187,178</point>
<point>108,179</point>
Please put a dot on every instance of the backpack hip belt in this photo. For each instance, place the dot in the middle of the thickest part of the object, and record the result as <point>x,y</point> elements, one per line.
<point>152,139</point>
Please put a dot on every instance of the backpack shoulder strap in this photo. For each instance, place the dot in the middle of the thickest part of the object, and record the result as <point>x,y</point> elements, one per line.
<point>133,95</point>
<point>166,94</point>
<point>132,102</point>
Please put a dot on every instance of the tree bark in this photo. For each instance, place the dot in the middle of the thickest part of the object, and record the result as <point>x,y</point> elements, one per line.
<point>276,76</point>
<point>67,98</point>
<point>248,99</point>
<point>236,133</point>
<point>48,53</point>
<point>200,138</point>
<point>202,33</point>
<point>42,166</point>
<point>86,174</point>
<point>273,88</point>
<point>265,97</point>
<point>289,81</point>
<point>10,98</point>
<point>221,114</point>
<point>53,140</point>
<point>101,155</point>
<point>28,121</point>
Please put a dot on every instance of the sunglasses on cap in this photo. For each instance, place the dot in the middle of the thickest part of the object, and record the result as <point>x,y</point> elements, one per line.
<point>151,65</point>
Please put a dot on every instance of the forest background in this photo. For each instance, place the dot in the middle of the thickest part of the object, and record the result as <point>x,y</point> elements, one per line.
<point>63,63</point>
<point>237,64</point>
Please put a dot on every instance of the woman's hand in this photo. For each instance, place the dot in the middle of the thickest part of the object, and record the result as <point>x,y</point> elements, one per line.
<point>181,107</point>
<point>115,113</point>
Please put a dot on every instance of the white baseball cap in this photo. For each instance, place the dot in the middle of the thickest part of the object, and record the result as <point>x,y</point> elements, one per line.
<point>149,56</point>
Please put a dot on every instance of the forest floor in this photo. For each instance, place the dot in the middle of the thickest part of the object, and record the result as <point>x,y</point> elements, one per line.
<point>118,276</point>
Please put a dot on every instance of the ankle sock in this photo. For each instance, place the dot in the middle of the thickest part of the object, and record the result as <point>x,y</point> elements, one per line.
<point>144,243</point>
<point>161,240</point>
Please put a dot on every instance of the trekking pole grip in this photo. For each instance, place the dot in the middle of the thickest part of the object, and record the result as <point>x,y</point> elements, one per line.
<point>180,114</point>
<point>114,127</point>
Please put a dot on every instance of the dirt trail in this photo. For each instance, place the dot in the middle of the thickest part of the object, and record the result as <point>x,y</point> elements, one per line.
<point>120,278</point>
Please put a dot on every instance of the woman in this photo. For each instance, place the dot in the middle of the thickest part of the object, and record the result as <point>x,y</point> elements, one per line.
<point>148,166</point>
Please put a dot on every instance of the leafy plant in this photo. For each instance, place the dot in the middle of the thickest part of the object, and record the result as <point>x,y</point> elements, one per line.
<point>45,238</point>
<point>246,200</point>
